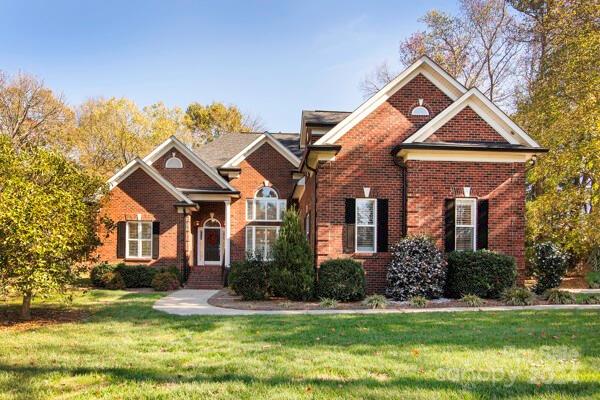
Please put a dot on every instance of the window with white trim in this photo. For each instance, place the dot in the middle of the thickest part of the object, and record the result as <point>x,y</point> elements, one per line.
<point>465,224</point>
<point>265,206</point>
<point>260,240</point>
<point>139,239</point>
<point>366,225</point>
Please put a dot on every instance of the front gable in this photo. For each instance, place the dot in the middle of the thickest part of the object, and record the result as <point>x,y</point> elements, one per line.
<point>189,176</point>
<point>466,126</point>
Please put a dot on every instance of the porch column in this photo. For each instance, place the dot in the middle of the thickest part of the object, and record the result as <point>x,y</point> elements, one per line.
<point>227,232</point>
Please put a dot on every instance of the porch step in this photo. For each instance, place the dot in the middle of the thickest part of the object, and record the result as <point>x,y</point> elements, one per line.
<point>205,277</point>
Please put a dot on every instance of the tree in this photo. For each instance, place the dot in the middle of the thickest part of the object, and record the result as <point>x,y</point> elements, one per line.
<point>49,211</point>
<point>30,114</point>
<point>479,47</point>
<point>562,111</point>
<point>210,121</point>
<point>165,122</point>
<point>293,273</point>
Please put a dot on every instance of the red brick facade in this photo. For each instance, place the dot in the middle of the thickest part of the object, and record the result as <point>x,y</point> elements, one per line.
<point>187,177</point>
<point>466,126</point>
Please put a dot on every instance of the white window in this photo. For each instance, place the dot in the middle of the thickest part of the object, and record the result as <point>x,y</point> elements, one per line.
<point>265,206</point>
<point>420,111</point>
<point>173,162</point>
<point>260,240</point>
<point>366,225</point>
<point>464,224</point>
<point>139,239</point>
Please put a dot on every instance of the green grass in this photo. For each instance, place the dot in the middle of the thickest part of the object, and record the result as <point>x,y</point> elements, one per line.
<point>127,350</point>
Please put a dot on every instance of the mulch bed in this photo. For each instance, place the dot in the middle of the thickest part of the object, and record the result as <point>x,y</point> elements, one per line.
<point>226,299</point>
<point>10,318</point>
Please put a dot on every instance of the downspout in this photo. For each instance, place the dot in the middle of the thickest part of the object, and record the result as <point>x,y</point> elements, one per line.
<point>404,170</point>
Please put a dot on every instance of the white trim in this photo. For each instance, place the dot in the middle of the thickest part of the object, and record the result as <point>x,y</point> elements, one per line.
<point>190,155</point>
<point>201,260</point>
<point>424,65</point>
<point>373,225</point>
<point>154,174</point>
<point>253,229</point>
<point>462,155</point>
<point>139,240</point>
<point>483,107</point>
<point>227,233</point>
<point>473,202</point>
<point>256,144</point>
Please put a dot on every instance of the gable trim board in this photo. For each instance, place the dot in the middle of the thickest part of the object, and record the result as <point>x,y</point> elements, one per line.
<point>473,152</point>
<point>197,161</point>
<point>483,107</point>
<point>136,164</point>
<point>434,73</point>
<point>236,160</point>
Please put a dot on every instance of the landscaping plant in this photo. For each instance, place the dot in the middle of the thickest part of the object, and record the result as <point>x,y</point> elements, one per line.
<point>136,276</point>
<point>293,272</point>
<point>98,271</point>
<point>482,273</point>
<point>556,296</point>
<point>548,266</point>
<point>375,301</point>
<point>249,278</point>
<point>328,303</point>
<point>113,280</point>
<point>342,279</point>
<point>417,301</point>
<point>515,296</point>
<point>593,279</point>
<point>164,281</point>
<point>472,300</point>
<point>417,268</point>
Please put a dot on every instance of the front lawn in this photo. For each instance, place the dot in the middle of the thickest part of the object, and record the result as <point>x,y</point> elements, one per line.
<point>124,349</point>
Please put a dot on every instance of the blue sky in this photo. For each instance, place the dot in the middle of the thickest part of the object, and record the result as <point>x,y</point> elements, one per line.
<point>271,58</point>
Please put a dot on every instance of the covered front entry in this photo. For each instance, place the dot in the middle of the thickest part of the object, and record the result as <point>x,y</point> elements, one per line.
<point>210,246</point>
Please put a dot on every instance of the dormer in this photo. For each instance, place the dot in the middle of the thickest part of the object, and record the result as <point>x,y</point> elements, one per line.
<point>315,124</point>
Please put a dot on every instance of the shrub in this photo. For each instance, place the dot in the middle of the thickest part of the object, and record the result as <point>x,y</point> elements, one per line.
<point>472,300</point>
<point>173,270</point>
<point>590,299</point>
<point>417,268</point>
<point>555,296</point>
<point>341,279</point>
<point>136,276</point>
<point>328,303</point>
<point>482,273</point>
<point>417,301</point>
<point>164,281</point>
<point>548,265</point>
<point>515,296</point>
<point>249,278</point>
<point>376,301</point>
<point>113,280</point>
<point>98,271</point>
<point>293,272</point>
<point>593,279</point>
<point>594,259</point>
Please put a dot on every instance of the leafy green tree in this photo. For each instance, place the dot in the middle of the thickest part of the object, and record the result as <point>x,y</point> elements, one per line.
<point>293,272</point>
<point>210,121</point>
<point>562,111</point>
<point>49,211</point>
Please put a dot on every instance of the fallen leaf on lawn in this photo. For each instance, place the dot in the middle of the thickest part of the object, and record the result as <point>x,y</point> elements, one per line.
<point>415,352</point>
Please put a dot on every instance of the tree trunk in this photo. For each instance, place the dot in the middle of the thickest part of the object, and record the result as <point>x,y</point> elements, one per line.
<point>26,307</point>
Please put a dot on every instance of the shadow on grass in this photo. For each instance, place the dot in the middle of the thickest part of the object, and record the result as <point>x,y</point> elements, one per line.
<point>367,387</point>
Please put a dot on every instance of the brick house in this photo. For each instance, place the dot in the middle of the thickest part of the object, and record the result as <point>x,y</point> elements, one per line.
<point>423,155</point>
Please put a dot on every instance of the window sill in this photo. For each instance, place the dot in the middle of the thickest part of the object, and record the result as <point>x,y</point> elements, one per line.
<point>138,259</point>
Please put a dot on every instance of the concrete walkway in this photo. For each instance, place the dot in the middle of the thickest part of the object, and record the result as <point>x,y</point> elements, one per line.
<point>195,302</point>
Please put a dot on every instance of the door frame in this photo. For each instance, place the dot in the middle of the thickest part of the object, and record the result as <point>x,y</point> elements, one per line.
<point>201,235</point>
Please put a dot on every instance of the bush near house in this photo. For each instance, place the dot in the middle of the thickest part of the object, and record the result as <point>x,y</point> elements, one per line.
<point>134,276</point>
<point>593,279</point>
<point>482,273</point>
<point>113,280</point>
<point>417,268</point>
<point>341,279</point>
<point>515,296</point>
<point>250,278</point>
<point>163,281</point>
<point>97,272</point>
<point>293,272</point>
<point>548,265</point>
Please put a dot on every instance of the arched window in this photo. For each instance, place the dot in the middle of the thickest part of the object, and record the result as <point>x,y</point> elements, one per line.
<point>212,223</point>
<point>173,162</point>
<point>265,206</point>
<point>420,111</point>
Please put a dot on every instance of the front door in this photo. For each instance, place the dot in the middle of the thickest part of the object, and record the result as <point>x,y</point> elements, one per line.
<point>212,245</point>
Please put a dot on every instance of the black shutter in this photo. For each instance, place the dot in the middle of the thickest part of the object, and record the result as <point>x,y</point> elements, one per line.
<point>155,239</point>
<point>482,224</point>
<point>382,225</point>
<point>121,232</point>
<point>349,221</point>
<point>449,225</point>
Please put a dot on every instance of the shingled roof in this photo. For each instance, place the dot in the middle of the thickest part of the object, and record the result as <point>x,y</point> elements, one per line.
<point>322,117</point>
<point>223,148</point>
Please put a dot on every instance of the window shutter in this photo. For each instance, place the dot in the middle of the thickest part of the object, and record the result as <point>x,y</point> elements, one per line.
<point>155,239</point>
<point>121,232</point>
<point>350,219</point>
<point>382,225</point>
<point>482,224</point>
<point>449,225</point>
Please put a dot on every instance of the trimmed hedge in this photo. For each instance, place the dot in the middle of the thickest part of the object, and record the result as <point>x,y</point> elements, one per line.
<point>97,273</point>
<point>482,273</point>
<point>113,280</point>
<point>341,279</point>
<point>549,266</point>
<point>164,281</point>
<point>134,276</point>
<point>250,278</point>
